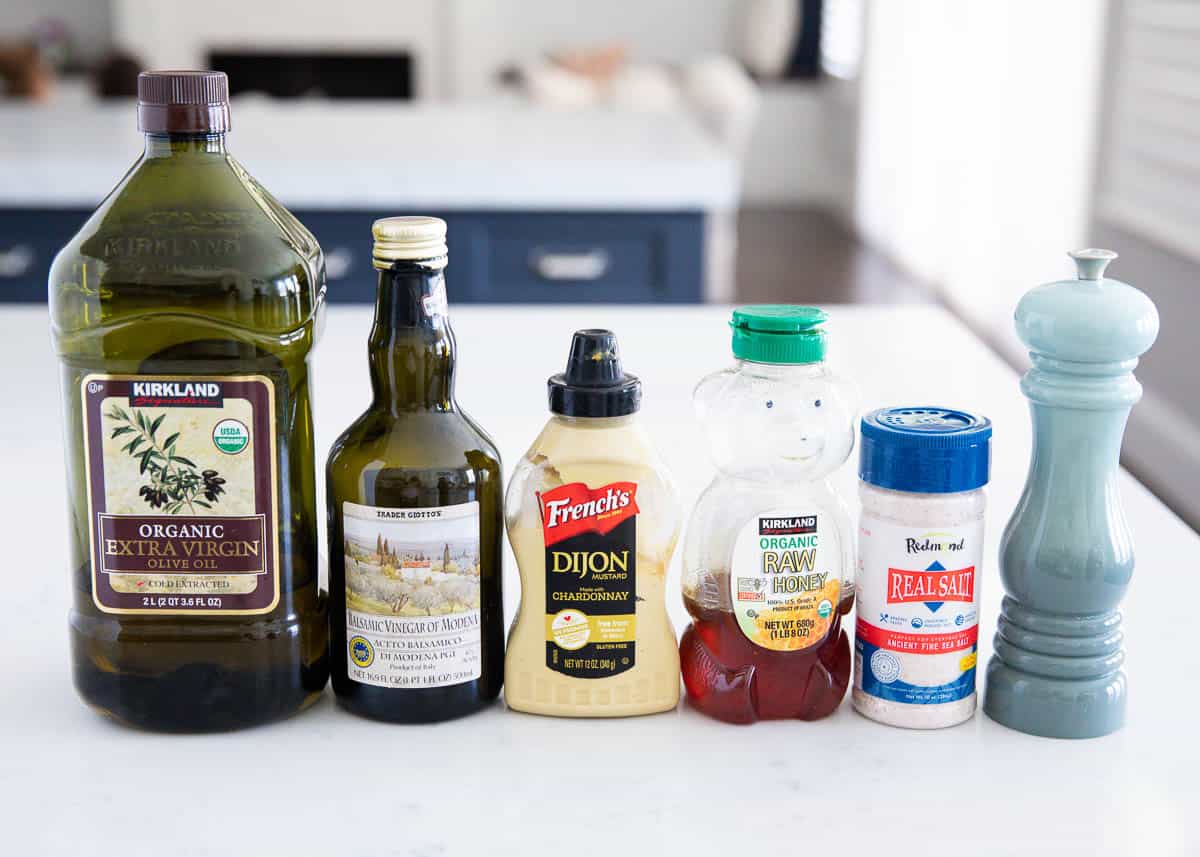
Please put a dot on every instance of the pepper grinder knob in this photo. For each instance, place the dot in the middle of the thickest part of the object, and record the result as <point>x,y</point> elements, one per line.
<point>1091,262</point>
<point>1066,556</point>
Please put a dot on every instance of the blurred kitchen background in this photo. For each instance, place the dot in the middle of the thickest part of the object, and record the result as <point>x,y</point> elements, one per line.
<point>672,150</point>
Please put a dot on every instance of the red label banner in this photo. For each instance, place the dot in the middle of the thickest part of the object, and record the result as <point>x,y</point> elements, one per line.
<point>925,644</point>
<point>904,585</point>
<point>573,509</point>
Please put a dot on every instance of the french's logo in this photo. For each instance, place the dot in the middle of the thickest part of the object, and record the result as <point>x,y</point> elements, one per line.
<point>573,509</point>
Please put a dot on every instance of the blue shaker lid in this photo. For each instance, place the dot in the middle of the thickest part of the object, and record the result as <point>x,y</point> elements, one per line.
<point>925,450</point>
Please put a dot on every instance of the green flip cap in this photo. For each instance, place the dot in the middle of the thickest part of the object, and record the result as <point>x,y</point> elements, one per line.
<point>778,333</point>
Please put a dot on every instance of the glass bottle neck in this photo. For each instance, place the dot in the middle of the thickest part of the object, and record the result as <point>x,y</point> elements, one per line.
<point>411,347</point>
<point>185,146</point>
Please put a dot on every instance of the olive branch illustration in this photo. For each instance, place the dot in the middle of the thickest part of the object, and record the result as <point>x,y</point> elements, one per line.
<point>176,482</point>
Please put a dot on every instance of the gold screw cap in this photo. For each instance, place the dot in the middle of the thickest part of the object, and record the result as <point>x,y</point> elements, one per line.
<point>412,238</point>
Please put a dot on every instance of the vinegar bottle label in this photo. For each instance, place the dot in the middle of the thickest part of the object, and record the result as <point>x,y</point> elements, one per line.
<point>412,595</point>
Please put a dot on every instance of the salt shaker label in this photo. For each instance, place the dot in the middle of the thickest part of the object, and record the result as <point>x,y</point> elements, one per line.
<point>918,611</point>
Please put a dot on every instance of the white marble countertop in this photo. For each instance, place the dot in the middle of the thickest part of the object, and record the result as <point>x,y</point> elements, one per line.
<point>353,155</point>
<point>501,783</point>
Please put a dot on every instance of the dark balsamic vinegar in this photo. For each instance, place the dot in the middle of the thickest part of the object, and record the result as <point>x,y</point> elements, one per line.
<point>415,511</point>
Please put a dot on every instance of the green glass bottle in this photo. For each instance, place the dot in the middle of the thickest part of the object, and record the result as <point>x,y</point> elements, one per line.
<point>415,500</point>
<point>183,314</point>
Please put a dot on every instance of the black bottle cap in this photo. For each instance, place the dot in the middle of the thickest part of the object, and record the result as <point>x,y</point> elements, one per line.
<point>594,384</point>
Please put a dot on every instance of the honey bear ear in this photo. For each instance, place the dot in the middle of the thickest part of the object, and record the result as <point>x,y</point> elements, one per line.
<point>840,442</point>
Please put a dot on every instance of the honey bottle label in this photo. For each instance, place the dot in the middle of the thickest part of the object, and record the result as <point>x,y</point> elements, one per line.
<point>182,480</point>
<point>591,574</point>
<point>782,586</point>
<point>412,595</point>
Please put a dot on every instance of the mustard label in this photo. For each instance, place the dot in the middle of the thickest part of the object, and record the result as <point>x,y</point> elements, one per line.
<point>591,568</point>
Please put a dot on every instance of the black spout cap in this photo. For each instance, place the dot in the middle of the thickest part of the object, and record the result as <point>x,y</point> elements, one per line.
<point>594,383</point>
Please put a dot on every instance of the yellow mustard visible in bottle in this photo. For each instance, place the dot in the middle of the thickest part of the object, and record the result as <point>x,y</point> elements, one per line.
<point>593,519</point>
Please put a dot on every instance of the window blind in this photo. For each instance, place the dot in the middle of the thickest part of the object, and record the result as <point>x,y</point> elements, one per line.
<point>1149,180</point>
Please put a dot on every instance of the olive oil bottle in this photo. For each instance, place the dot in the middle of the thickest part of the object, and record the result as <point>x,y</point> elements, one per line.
<point>183,314</point>
<point>415,510</point>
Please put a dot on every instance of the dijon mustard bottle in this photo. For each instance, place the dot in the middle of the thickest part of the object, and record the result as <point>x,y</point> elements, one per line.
<point>183,314</point>
<point>593,518</point>
<point>415,505</point>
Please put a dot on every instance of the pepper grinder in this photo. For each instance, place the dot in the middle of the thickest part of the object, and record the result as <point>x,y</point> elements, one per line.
<point>1066,556</point>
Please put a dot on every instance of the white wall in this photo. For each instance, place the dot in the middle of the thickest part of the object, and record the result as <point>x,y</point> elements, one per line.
<point>490,35</point>
<point>179,35</point>
<point>88,20</point>
<point>797,153</point>
<point>460,44</point>
<point>976,144</point>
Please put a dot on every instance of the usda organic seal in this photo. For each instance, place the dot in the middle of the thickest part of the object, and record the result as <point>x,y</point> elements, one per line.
<point>230,436</point>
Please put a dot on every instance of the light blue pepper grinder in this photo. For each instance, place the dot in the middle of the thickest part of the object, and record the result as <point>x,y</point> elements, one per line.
<point>1066,556</point>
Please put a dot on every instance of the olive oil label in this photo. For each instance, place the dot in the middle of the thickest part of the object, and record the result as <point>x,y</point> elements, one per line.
<point>181,475</point>
<point>412,595</point>
<point>784,585</point>
<point>591,573</point>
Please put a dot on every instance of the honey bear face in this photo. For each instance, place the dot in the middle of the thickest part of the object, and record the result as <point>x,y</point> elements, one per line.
<point>777,423</point>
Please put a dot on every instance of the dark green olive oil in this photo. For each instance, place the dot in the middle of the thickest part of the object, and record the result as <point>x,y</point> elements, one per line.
<point>415,511</point>
<point>183,314</point>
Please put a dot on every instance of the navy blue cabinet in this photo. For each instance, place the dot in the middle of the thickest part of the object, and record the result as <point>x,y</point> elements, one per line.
<point>29,241</point>
<point>495,256</point>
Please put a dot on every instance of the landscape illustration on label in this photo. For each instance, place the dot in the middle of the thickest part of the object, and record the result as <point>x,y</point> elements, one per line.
<point>437,572</point>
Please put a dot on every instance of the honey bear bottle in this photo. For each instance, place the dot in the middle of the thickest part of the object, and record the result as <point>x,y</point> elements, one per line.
<point>769,555</point>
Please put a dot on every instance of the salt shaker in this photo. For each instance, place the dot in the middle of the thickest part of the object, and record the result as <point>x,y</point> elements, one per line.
<point>1066,556</point>
<point>920,554</point>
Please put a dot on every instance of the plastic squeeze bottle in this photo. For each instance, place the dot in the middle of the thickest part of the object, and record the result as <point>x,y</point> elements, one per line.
<point>593,520</point>
<point>769,557</point>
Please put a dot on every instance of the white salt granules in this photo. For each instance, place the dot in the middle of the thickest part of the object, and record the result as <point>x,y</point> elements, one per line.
<point>920,547</point>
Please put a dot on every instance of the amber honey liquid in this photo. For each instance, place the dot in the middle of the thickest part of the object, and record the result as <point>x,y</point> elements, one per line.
<point>732,679</point>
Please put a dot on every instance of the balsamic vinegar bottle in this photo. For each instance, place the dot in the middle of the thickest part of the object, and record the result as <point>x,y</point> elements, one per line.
<point>184,313</point>
<point>415,510</point>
